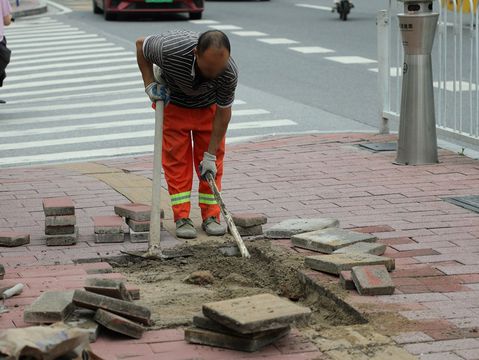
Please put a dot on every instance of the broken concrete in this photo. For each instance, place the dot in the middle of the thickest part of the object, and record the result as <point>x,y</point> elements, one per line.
<point>246,220</point>
<point>364,248</point>
<point>83,319</point>
<point>250,231</point>
<point>13,239</point>
<point>139,237</point>
<point>138,226</point>
<point>256,313</point>
<point>109,238</point>
<point>329,240</point>
<point>119,324</point>
<point>346,280</point>
<point>335,263</point>
<point>134,211</point>
<point>108,287</point>
<point>123,308</point>
<point>286,229</point>
<point>108,224</point>
<point>58,206</point>
<point>372,280</point>
<point>62,240</point>
<point>63,220</point>
<point>60,230</point>
<point>50,307</point>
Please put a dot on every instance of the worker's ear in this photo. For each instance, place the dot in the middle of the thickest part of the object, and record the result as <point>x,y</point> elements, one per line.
<point>195,52</point>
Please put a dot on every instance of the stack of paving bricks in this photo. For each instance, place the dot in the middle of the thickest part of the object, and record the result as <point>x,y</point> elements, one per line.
<point>137,217</point>
<point>60,221</point>
<point>13,239</point>
<point>245,324</point>
<point>250,224</point>
<point>104,302</point>
<point>355,257</point>
<point>108,229</point>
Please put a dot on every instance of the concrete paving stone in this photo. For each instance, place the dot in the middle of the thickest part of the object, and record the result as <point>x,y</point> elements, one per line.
<point>139,237</point>
<point>62,240</point>
<point>372,280</point>
<point>256,313</point>
<point>129,310</point>
<point>107,224</point>
<point>119,324</point>
<point>60,230</point>
<point>62,220</point>
<point>247,220</point>
<point>50,307</point>
<point>250,231</point>
<point>329,240</point>
<point>288,228</point>
<point>83,319</point>
<point>134,211</point>
<point>133,291</point>
<point>138,226</point>
<point>13,239</point>
<point>109,238</point>
<point>363,247</point>
<point>108,287</point>
<point>228,341</point>
<point>335,263</point>
<point>346,280</point>
<point>58,206</point>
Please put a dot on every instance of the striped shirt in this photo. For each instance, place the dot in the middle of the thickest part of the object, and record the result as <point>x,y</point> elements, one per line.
<point>173,53</point>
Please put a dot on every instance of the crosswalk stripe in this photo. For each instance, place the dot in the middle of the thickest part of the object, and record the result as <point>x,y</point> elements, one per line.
<point>30,26</point>
<point>47,51</point>
<point>67,58</point>
<point>278,41</point>
<point>249,33</point>
<point>250,112</point>
<point>43,83</point>
<point>40,42</point>
<point>46,28</point>
<point>132,135</point>
<point>203,22</point>
<point>48,32</point>
<point>75,72</point>
<point>351,60</point>
<point>72,64</point>
<point>69,32</point>
<point>59,56</point>
<point>311,49</point>
<point>316,7</point>
<point>225,27</point>
<point>55,43</point>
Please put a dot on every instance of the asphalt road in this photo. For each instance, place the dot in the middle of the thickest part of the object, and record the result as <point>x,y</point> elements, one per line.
<point>73,91</point>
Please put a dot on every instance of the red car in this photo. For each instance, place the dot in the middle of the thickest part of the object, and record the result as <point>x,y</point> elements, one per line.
<point>110,8</point>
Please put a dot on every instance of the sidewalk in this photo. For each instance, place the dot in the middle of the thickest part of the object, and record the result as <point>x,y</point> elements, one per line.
<point>434,313</point>
<point>28,8</point>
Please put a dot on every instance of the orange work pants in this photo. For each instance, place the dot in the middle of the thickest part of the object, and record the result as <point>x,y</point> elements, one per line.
<point>186,137</point>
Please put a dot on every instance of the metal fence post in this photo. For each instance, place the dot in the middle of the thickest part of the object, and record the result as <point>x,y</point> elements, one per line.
<point>383,34</point>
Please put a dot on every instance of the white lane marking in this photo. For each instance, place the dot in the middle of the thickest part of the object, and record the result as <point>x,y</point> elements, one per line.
<point>55,44</point>
<point>239,102</point>
<point>131,135</point>
<point>109,54</point>
<point>73,64</point>
<point>63,9</point>
<point>40,42</point>
<point>250,112</point>
<point>249,33</point>
<point>44,29</point>
<point>225,27</point>
<point>24,25</point>
<point>316,7</point>
<point>47,51</point>
<point>311,50</point>
<point>393,72</point>
<point>460,86</point>
<point>41,33</point>
<point>278,41</point>
<point>74,72</point>
<point>43,83</point>
<point>44,36</point>
<point>203,22</point>
<point>60,56</point>
<point>351,60</point>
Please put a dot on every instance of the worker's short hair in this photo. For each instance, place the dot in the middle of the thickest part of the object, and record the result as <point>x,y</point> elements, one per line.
<point>213,39</point>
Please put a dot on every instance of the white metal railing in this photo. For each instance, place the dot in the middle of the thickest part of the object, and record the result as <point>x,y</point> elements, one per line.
<point>455,59</point>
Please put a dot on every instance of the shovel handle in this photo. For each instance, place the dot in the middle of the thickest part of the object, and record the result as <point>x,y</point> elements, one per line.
<point>15,290</point>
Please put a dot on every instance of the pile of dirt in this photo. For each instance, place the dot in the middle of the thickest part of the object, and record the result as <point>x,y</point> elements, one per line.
<point>173,301</point>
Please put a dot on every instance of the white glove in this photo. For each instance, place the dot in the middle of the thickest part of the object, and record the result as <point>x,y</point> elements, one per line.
<point>208,165</point>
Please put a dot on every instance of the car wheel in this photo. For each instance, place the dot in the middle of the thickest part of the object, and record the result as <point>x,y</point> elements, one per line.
<point>108,14</point>
<point>196,16</point>
<point>96,8</point>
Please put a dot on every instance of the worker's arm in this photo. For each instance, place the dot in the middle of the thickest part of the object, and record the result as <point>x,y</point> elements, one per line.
<point>146,67</point>
<point>7,20</point>
<point>220,126</point>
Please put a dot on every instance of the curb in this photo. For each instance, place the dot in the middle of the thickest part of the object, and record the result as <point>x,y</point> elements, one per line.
<point>41,8</point>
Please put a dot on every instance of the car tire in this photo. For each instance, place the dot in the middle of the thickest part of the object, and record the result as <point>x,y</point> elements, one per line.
<point>196,16</point>
<point>96,8</point>
<point>108,14</point>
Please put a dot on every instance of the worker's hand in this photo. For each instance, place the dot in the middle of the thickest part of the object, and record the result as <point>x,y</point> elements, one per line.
<point>208,165</point>
<point>157,92</point>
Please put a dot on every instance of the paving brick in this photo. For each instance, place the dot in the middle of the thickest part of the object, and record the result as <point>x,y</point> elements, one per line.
<point>62,240</point>
<point>211,338</point>
<point>58,206</point>
<point>247,220</point>
<point>363,247</point>
<point>134,211</point>
<point>13,239</point>
<point>138,226</point>
<point>250,231</point>
<point>109,238</point>
<point>287,228</point>
<point>50,307</point>
<point>108,287</point>
<point>108,224</point>
<point>123,308</point>
<point>60,230</point>
<point>256,313</point>
<point>335,263</point>
<point>134,291</point>
<point>83,319</point>
<point>119,324</point>
<point>63,220</point>
<point>139,237</point>
<point>346,280</point>
<point>329,240</point>
<point>372,280</point>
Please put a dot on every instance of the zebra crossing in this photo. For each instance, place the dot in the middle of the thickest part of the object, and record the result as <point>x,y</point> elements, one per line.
<point>74,96</point>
